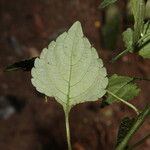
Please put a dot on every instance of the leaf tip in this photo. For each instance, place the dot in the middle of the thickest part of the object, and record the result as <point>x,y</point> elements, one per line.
<point>77,23</point>
<point>76,28</point>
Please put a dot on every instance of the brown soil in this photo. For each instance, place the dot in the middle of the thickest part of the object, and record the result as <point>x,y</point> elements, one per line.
<point>25,28</point>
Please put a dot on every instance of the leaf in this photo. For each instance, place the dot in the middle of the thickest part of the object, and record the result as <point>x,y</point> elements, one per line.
<point>138,10</point>
<point>145,51</point>
<point>111,27</point>
<point>121,86</point>
<point>124,127</point>
<point>25,65</point>
<point>146,28</point>
<point>70,70</point>
<point>106,3</point>
<point>145,41</point>
<point>147,14</point>
<point>128,39</point>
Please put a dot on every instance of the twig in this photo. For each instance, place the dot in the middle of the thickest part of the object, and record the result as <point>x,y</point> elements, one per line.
<point>125,102</point>
<point>120,55</point>
<point>138,122</point>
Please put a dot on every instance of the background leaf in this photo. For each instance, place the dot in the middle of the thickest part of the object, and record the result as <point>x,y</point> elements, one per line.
<point>146,28</point>
<point>128,39</point>
<point>106,3</point>
<point>25,65</point>
<point>124,127</point>
<point>147,14</point>
<point>138,10</point>
<point>70,70</point>
<point>111,27</point>
<point>121,86</point>
<point>145,49</point>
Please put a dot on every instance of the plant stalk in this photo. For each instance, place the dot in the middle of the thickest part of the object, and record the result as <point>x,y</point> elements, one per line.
<point>141,78</point>
<point>120,55</point>
<point>142,40</point>
<point>132,147</point>
<point>138,122</point>
<point>125,102</point>
<point>67,130</point>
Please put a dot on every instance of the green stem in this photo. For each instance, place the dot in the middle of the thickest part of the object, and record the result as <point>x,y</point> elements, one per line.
<point>120,55</point>
<point>139,142</point>
<point>141,40</point>
<point>138,122</point>
<point>141,78</point>
<point>67,130</point>
<point>125,102</point>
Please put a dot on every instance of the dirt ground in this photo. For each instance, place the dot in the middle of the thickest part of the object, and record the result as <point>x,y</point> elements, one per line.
<point>25,28</point>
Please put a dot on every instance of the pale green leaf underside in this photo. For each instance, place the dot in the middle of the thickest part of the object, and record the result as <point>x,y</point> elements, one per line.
<point>70,70</point>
